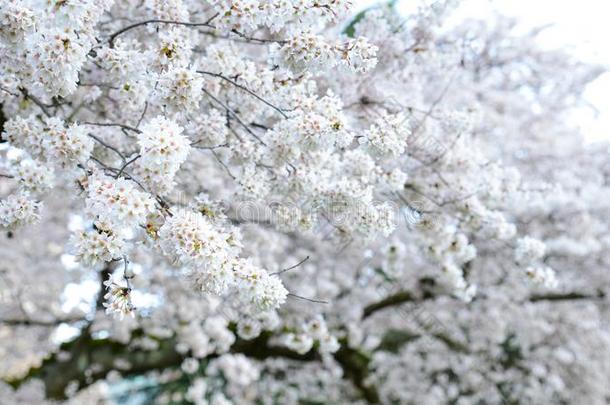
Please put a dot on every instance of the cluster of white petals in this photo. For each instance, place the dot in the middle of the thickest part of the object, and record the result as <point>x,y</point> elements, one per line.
<point>310,52</point>
<point>18,210</point>
<point>116,204</point>
<point>180,90</point>
<point>118,299</point>
<point>34,176</point>
<point>163,148</point>
<point>94,247</point>
<point>51,140</point>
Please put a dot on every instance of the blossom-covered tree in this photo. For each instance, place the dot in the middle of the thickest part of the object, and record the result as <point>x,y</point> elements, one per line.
<point>285,202</point>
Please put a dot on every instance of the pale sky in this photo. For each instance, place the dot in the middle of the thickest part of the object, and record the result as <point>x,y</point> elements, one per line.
<point>577,26</point>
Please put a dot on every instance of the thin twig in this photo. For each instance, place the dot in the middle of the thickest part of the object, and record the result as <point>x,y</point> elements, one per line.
<point>307,299</point>
<point>234,114</point>
<point>234,83</point>
<point>104,144</point>
<point>222,164</point>
<point>36,101</point>
<point>112,124</point>
<point>143,114</point>
<point>290,268</point>
<point>112,37</point>
<point>127,164</point>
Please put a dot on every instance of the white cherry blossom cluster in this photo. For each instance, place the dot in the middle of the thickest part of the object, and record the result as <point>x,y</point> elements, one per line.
<point>194,240</point>
<point>212,335</point>
<point>118,299</point>
<point>51,140</point>
<point>310,333</point>
<point>191,239</point>
<point>115,204</point>
<point>49,41</point>
<point>542,275</point>
<point>66,145</point>
<point>94,247</point>
<point>235,368</point>
<point>175,10</point>
<point>55,57</point>
<point>210,129</point>
<point>388,135</point>
<point>529,250</point>
<point>19,209</point>
<point>310,52</point>
<point>278,14</point>
<point>180,90</point>
<point>163,148</point>
<point>33,176</point>
<point>172,50</point>
<point>25,133</point>
<point>15,20</point>
<point>257,288</point>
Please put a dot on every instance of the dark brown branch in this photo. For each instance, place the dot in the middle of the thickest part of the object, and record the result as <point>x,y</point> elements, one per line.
<point>395,299</point>
<point>112,124</point>
<point>86,351</point>
<point>107,146</point>
<point>113,37</point>
<point>36,101</point>
<point>355,365</point>
<point>567,296</point>
<point>38,322</point>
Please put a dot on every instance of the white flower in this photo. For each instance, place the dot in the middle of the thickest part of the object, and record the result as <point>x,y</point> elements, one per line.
<point>96,246</point>
<point>235,368</point>
<point>460,287</point>
<point>529,250</point>
<point>300,343</point>
<point>395,179</point>
<point>217,328</point>
<point>118,299</point>
<point>163,149</point>
<point>310,52</point>
<point>55,57</point>
<point>18,210</point>
<point>122,61</point>
<point>211,128</point>
<point>15,20</point>
<point>190,365</point>
<point>257,288</point>
<point>196,392</point>
<point>115,204</point>
<point>33,176</point>
<point>175,10</point>
<point>388,135</point>
<point>180,90</point>
<point>173,49</point>
<point>25,133</point>
<point>248,328</point>
<point>189,238</point>
<point>63,145</point>
<point>542,275</point>
<point>307,52</point>
<point>329,344</point>
<point>316,327</point>
<point>359,55</point>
